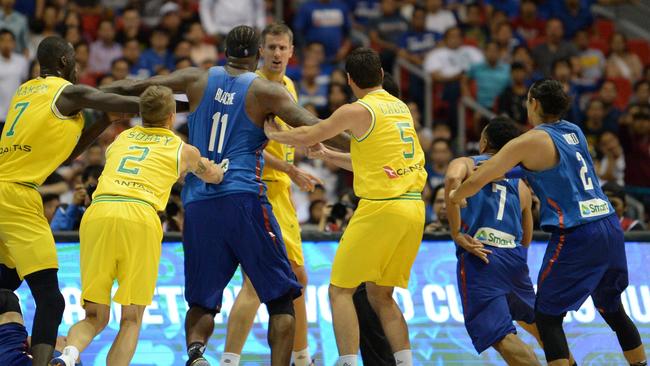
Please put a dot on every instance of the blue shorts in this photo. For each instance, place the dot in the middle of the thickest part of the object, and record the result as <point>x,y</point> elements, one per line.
<point>221,233</point>
<point>13,345</point>
<point>495,294</point>
<point>581,261</point>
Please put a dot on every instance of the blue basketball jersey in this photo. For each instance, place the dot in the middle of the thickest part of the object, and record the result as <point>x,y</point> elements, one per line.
<point>223,132</point>
<point>13,345</point>
<point>569,192</point>
<point>493,215</point>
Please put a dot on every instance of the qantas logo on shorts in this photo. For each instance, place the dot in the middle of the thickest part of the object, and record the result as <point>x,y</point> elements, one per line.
<point>495,238</point>
<point>400,172</point>
<point>593,207</point>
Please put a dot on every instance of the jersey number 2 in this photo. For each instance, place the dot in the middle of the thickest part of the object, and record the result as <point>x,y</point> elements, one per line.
<point>22,107</point>
<point>222,133</point>
<point>586,181</point>
<point>144,151</point>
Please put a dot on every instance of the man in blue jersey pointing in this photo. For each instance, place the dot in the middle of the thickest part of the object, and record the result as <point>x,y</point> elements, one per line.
<point>232,223</point>
<point>586,253</point>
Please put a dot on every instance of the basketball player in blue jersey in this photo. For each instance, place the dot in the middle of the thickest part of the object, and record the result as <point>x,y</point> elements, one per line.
<point>233,223</point>
<point>494,284</point>
<point>586,253</point>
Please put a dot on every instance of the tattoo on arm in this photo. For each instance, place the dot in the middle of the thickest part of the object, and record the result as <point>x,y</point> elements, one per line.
<point>201,168</point>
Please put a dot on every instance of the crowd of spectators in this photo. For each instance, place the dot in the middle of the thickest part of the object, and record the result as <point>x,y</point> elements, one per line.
<point>488,50</point>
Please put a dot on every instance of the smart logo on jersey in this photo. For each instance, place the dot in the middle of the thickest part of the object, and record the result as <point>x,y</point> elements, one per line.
<point>495,238</point>
<point>400,172</point>
<point>593,207</point>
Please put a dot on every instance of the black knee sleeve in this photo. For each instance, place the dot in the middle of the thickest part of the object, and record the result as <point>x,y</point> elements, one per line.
<point>49,306</point>
<point>9,302</point>
<point>552,334</point>
<point>9,278</point>
<point>626,332</point>
<point>281,305</point>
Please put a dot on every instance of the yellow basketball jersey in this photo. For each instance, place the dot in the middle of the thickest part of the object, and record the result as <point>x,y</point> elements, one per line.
<point>280,151</point>
<point>141,164</point>
<point>388,161</point>
<point>36,137</point>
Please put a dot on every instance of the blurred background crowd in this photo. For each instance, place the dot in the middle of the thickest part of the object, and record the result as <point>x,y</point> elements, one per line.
<point>458,62</point>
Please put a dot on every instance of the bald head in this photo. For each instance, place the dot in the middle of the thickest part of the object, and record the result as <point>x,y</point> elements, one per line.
<point>56,57</point>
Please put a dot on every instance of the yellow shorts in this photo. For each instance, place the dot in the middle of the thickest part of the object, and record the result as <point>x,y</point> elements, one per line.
<point>380,244</point>
<point>120,240</point>
<point>280,198</point>
<point>26,241</point>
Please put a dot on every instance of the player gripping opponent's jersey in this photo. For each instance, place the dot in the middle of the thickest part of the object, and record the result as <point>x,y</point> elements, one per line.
<point>492,234</point>
<point>121,232</point>
<point>586,252</point>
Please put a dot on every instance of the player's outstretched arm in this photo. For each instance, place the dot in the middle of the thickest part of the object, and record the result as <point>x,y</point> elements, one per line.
<point>341,159</point>
<point>74,98</point>
<point>178,81</point>
<point>343,119</point>
<point>206,170</point>
<point>526,202</point>
<point>459,169</point>
<point>305,181</point>
<point>275,100</point>
<point>513,153</point>
<point>90,134</point>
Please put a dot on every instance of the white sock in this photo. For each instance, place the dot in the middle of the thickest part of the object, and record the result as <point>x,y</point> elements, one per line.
<point>70,353</point>
<point>403,358</point>
<point>347,360</point>
<point>230,359</point>
<point>301,358</point>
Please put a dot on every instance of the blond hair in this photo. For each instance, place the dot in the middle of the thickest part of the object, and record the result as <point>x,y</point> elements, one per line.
<point>277,29</point>
<point>156,104</point>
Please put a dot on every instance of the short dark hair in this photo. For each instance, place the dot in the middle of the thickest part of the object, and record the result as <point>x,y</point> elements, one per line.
<point>92,171</point>
<point>436,189</point>
<point>564,61</point>
<point>443,140</point>
<point>50,197</point>
<point>4,31</point>
<point>364,67</point>
<point>277,29</point>
<point>550,94</point>
<point>499,131</point>
<point>390,85</point>
<point>50,51</point>
<point>121,59</point>
<point>242,41</point>
<point>641,116</point>
<point>637,85</point>
<point>517,66</point>
<point>615,190</point>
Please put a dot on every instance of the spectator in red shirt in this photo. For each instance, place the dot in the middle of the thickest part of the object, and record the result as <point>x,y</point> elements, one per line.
<point>616,195</point>
<point>635,138</point>
<point>528,24</point>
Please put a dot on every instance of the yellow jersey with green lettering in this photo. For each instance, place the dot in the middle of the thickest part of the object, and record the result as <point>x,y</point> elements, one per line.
<point>142,164</point>
<point>280,151</point>
<point>387,160</point>
<point>36,137</point>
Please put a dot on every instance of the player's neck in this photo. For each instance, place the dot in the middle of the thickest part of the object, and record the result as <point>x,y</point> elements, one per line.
<point>360,93</point>
<point>273,76</point>
<point>46,73</point>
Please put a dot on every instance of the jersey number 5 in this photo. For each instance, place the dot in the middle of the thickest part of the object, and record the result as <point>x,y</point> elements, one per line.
<point>402,126</point>
<point>144,151</point>
<point>22,107</point>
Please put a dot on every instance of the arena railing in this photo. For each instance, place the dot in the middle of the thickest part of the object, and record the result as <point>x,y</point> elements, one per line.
<point>463,104</point>
<point>318,236</point>
<point>416,71</point>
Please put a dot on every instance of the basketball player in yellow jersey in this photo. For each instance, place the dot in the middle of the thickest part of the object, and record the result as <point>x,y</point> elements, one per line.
<point>121,233</point>
<point>43,126</point>
<point>276,50</point>
<point>380,244</point>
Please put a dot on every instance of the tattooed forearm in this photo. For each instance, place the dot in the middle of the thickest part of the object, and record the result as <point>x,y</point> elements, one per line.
<point>200,168</point>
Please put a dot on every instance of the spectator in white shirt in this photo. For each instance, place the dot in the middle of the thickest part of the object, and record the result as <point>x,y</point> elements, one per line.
<point>448,62</point>
<point>438,19</point>
<point>220,16</point>
<point>13,71</point>
<point>200,49</point>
